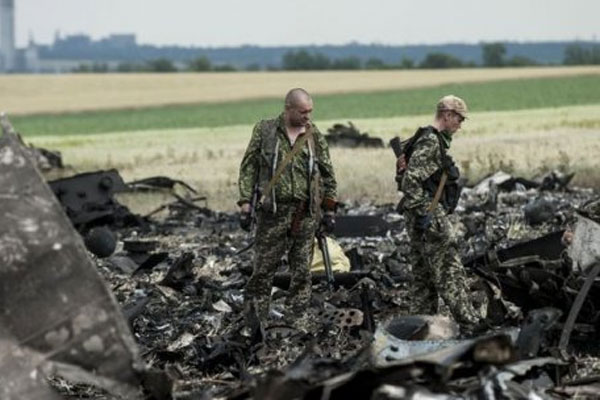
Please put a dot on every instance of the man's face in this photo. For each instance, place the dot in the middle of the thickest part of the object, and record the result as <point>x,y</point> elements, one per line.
<point>299,114</point>
<point>452,121</point>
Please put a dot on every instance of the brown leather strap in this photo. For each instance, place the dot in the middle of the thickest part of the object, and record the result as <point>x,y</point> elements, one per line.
<point>438,192</point>
<point>284,163</point>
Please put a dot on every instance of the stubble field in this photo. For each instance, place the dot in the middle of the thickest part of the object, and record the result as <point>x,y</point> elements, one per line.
<point>29,94</point>
<point>525,126</point>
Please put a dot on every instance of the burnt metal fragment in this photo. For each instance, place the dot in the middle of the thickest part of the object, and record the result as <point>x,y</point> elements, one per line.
<point>147,261</point>
<point>139,246</point>
<point>180,273</point>
<point>533,331</point>
<point>349,136</point>
<point>556,180</point>
<point>345,279</point>
<point>88,199</point>
<point>360,226</point>
<point>577,304</point>
<point>547,247</point>
<point>158,182</point>
<point>540,210</point>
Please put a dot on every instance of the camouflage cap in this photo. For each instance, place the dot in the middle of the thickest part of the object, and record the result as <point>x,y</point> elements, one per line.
<point>453,103</point>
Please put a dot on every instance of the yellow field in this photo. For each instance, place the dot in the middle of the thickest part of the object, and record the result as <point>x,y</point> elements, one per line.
<point>25,94</point>
<point>523,142</point>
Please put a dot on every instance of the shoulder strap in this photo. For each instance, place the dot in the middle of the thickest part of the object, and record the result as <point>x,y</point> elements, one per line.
<point>284,163</point>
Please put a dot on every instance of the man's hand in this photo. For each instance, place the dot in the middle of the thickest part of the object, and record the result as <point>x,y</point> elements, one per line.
<point>423,222</point>
<point>328,222</point>
<point>246,217</point>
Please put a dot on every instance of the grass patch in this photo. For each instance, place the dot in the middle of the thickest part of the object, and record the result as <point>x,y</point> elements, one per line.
<point>525,143</point>
<point>488,96</point>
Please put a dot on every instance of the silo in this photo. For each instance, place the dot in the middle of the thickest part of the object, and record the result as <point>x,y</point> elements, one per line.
<point>7,35</point>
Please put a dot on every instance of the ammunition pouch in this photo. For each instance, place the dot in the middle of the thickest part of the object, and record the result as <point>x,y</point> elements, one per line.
<point>301,211</point>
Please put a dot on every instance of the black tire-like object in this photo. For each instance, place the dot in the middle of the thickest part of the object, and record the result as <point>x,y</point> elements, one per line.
<point>101,241</point>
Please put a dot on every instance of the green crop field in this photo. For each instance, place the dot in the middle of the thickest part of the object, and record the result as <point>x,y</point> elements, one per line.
<point>487,96</point>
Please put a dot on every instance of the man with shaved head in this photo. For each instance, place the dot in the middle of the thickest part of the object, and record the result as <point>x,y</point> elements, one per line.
<point>287,164</point>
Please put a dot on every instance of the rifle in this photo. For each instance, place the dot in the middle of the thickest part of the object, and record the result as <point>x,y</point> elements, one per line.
<point>251,233</point>
<point>322,241</point>
<point>396,144</point>
<point>253,205</point>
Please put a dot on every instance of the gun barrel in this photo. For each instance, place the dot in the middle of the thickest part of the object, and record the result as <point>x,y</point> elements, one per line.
<point>322,239</point>
<point>396,145</point>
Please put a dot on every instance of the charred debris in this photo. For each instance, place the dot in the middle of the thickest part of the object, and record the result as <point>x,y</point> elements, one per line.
<point>152,309</point>
<point>341,135</point>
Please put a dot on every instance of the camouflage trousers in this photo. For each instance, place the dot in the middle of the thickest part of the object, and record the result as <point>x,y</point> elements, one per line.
<point>274,239</point>
<point>438,271</point>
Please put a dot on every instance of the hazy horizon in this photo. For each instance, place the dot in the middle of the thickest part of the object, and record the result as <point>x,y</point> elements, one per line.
<point>267,23</point>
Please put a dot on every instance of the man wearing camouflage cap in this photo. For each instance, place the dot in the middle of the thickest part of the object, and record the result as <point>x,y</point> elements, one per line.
<point>437,268</point>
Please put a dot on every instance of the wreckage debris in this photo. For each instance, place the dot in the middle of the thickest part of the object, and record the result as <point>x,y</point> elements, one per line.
<point>101,241</point>
<point>180,284</point>
<point>158,182</point>
<point>540,210</point>
<point>349,136</point>
<point>88,200</point>
<point>360,226</point>
<point>61,313</point>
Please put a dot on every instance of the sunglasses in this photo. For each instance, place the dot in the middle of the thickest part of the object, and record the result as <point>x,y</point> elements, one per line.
<point>460,117</point>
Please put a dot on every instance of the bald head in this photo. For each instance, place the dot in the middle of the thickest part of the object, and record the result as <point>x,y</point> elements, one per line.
<point>295,97</point>
<point>298,107</point>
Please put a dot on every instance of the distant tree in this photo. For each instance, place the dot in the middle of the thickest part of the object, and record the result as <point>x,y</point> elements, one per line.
<point>520,61</point>
<point>576,55</point>
<point>347,63</point>
<point>82,68</point>
<point>321,61</point>
<point>579,55</point>
<point>200,64</point>
<point>161,65</point>
<point>407,63</point>
<point>224,68</point>
<point>374,63</point>
<point>440,60</point>
<point>93,68</point>
<point>253,67</point>
<point>493,54</point>
<point>100,67</point>
<point>128,67</point>
<point>303,60</point>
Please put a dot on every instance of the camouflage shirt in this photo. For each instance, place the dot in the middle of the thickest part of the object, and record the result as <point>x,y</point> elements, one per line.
<point>425,160</point>
<point>294,183</point>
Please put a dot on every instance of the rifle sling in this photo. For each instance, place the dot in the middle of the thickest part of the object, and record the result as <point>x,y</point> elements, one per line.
<point>285,162</point>
<point>444,178</point>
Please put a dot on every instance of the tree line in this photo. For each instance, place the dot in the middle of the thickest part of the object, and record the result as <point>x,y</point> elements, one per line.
<point>493,55</point>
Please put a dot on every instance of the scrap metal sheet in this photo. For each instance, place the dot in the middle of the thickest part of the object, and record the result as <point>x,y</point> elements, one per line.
<point>52,300</point>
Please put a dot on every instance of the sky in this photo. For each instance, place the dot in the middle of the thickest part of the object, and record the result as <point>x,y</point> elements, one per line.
<point>217,23</point>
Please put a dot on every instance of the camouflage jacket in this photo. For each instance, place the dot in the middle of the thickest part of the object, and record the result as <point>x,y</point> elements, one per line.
<point>268,146</point>
<point>425,160</point>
